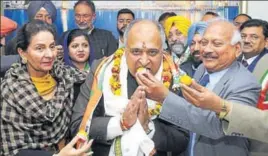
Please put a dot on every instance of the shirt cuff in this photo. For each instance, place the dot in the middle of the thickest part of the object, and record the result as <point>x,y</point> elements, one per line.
<point>114,128</point>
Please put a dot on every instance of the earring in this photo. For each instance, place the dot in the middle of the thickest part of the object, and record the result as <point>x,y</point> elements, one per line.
<point>24,60</point>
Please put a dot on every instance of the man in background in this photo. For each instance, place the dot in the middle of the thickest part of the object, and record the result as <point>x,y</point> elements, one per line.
<point>195,35</point>
<point>103,41</point>
<point>7,26</point>
<point>176,30</point>
<point>209,15</point>
<point>240,19</point>
<point>254,35</point>
<point>42,10</point>
<point>124,17</point>
<point>162,18</point>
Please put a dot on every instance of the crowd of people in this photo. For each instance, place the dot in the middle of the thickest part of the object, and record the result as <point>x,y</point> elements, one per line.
<point>127,95</point>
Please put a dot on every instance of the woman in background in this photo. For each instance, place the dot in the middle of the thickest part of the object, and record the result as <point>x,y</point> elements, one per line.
<point>77,50</point>
<point>37,96</point>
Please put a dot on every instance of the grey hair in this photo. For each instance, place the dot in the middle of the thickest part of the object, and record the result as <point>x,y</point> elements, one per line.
<point>158,25</point>
<point>236,38</point>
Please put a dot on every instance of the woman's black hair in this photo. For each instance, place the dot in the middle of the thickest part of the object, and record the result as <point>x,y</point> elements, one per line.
<point>76,33</point>
<point>67,41</point>
<point>30,29</point>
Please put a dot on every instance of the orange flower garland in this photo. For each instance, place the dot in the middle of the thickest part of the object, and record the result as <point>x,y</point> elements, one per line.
<point>166,78</point>
<point>114,80</point>
<point>116,85</point>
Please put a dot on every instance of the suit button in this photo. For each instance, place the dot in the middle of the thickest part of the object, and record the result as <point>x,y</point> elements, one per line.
<point>233,134</point>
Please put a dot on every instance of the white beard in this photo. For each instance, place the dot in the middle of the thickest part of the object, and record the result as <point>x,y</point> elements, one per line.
<point>178,48</point>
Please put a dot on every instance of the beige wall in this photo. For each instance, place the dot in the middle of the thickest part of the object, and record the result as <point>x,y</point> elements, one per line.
<point>258,9</point>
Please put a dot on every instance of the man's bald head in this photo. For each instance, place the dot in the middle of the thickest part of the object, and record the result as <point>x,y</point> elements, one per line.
<point>144,28</point>
<point>144,45</point>
<point>226,27</point>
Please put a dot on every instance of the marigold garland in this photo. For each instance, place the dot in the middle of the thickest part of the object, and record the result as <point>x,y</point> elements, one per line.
<point>166,79</point>
<point>116,85</point>
<point>115,80</point>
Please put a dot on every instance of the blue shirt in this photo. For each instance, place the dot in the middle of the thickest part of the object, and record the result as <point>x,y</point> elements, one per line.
<point>214,78</point>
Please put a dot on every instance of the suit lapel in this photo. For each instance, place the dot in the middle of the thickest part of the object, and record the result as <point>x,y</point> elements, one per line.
<point>225,78</point>
<point>199,73</point>
<point>220,85</point>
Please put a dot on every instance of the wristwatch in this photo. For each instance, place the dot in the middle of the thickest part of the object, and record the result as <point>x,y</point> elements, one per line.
<point>223,111</point>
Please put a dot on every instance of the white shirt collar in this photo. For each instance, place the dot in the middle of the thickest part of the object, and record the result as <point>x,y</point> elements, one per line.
<point>214,78</point>
<point>120,43</point>
<point>250,60</point>
<point>90,31</point>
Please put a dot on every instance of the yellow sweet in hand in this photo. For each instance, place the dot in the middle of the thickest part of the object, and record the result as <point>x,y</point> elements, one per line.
<point>185,79</point>
<point>82,135</point>
<point>141,69</point>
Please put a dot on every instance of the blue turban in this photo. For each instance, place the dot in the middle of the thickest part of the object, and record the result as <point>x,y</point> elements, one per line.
<point>35,6</point>
<point>196,28</point>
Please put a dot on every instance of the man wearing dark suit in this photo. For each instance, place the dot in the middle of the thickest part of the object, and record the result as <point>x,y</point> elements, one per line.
<point>111,117</point>
<point>221,73</point>
<point>124,17</point>
<point>103,41</point>
<point>254,35</point>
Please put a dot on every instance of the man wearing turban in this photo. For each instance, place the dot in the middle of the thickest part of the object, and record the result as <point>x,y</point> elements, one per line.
<point>195,34</point>
<point>42,10</point>
<point>176,29</point>
<point>7,26</point>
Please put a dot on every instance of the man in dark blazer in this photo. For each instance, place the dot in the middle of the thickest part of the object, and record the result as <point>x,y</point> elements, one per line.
<point>103,41</point>
<point>254,35</point>
<point>124,17</point>
<point>224,76</point>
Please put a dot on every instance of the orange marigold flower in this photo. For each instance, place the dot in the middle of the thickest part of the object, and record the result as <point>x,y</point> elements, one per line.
<point>168,74</point>
<point>115,69</point>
